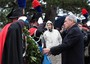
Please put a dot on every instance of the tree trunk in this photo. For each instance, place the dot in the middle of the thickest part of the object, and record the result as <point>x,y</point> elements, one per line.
<point>50,13</point>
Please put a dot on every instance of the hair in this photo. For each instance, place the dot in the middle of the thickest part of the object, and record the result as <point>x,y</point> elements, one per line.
<point>73,18</point>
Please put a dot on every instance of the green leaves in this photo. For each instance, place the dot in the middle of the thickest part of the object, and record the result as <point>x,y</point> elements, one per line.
<point>70,5</point>
<point>33,54</point>
<point>3,15</point>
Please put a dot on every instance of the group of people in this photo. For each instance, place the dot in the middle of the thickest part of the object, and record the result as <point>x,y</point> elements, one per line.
<point>69,41</point>
<point>72,47</point>
<point>63,46</point>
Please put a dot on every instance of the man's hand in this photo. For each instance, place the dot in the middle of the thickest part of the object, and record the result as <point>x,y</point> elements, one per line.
<point>46,51</point>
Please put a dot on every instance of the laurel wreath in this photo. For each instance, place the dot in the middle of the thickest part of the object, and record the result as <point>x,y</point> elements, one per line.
<point>33,54</point>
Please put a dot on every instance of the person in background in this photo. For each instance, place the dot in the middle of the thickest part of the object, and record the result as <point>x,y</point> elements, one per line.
<point>37,6</point>
<point>86,42</point>
<point>85,12</point>
<point>52,38</point>
<point>72,47</point>
<point>85,34</point>
<point>33,28</point>
<point>36,29</point>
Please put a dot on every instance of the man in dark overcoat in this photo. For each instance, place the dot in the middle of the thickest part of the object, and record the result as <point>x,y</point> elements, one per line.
<point>72,47</point>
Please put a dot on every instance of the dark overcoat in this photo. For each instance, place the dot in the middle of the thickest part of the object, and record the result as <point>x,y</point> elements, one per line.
<point>72,47</point>
<point>13,50</point>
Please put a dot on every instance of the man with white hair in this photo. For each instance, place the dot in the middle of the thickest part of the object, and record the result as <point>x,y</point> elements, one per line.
<point>72,47</point>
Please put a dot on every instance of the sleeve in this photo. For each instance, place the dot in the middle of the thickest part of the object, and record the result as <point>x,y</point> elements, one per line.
<point>59,38</point>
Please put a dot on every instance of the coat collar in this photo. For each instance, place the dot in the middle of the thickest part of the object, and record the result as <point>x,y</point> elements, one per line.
<point>71,27</point>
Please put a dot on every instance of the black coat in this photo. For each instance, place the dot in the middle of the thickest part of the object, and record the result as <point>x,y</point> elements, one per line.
<point>13,50</point>
<point>72,47</point>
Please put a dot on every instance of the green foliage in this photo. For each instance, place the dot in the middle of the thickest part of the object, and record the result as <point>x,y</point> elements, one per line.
<point>3,14</point>
<point>3,3</point>
<point>33,54</point>
<point>70,5</point>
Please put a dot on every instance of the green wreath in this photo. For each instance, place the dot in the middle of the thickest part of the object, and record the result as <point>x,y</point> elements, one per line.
<point>33,54</point>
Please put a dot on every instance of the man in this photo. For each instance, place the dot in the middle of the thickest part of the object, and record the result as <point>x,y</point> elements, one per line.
<point>72,47</point>
<point>36,30</point>
<point>52,38</point>
<point>11,50</point>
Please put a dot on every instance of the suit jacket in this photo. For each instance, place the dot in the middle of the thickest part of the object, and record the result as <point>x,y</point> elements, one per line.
<point>72,47</point>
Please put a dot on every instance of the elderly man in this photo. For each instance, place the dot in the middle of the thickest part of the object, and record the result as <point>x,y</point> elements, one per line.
<point>72,47</point>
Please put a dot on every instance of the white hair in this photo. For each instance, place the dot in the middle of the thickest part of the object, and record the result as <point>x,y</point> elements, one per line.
<point>72,17</point>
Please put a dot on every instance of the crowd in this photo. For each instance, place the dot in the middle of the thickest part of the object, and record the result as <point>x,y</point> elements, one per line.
<point>66,38</point>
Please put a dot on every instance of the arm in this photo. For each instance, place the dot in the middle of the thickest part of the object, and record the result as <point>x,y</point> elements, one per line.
<point>59,37</point>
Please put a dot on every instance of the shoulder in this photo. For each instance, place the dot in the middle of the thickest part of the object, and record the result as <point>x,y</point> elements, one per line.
<point>45,32</point>
<point>75,31</point>
<point>55,30</point>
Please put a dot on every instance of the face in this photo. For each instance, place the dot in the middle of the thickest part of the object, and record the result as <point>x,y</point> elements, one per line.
<point>68,23</point>
<point>49,26</point>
